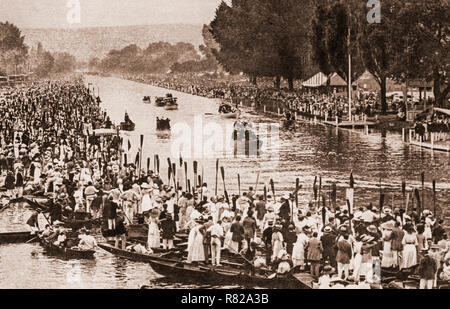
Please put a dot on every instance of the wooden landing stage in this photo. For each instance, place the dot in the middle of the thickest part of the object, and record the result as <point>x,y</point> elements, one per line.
<point>351,124</point>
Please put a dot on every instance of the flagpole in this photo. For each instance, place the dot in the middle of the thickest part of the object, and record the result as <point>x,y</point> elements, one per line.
<point>349,79</point>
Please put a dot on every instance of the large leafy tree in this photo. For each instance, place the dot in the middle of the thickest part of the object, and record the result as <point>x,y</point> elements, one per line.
<point>330,39</point>
<point>263,37</point>
<point>13,51</point>
<point>422,44</point>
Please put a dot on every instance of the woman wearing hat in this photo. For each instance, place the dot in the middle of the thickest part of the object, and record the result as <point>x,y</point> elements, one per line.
<point>196,251</point>
<point>387,259</point>
<point>410,244</point>
<point>154,238</point>
<point>298,252</point>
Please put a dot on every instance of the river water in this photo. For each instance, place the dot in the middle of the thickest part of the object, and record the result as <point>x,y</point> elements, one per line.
<point>311,150</point>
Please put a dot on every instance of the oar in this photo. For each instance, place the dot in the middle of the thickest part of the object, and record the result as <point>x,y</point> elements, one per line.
<point>201,186</point>
<point>222,170</point>
<point>324,211</point>
<point>169,170</point>
<point>257,181</point>
<point>148,164</point>
<point>188,185</point>
<point>315,188</point>
<point>125,159</point>
<point>140,157</point>
<point>422,205</point>
<point>265,194</point>
<point>186,176</point>
<point>195,165</point>
<point>404,192</point>
<point>334,194</point>
<point>32,239</point>
<point>434,198</point>
<point>320,190</point>
<point>297,188</point>
<point>239,184</point>
<point>157,163</point>
<point>272,185</point>
<point>381,198</point>
<point>217,171</point>
<point>349,214</point>
<point>174,174</point>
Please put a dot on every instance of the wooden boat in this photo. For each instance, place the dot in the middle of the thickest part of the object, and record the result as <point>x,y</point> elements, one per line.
<point>81,219</point>
<point>134,256</point>
<point>124,126</point>
<point>159,101</point>
<point>390,274</point>
<point>105,132</point>
<point>17,237</point>
<point>232,115</point>
<point>221,275</point>
<point>68,253</point>
<point>171,107</point>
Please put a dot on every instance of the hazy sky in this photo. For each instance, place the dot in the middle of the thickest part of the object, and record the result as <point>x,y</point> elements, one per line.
<point>53,13</point>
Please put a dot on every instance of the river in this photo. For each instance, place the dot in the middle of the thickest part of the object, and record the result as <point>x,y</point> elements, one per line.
<point>311,150</point>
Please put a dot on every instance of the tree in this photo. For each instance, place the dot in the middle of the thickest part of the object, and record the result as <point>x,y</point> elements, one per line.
<point>45,64</point>
<point>263,37</point>
<point>64,63</point>
<point>422,44</point>
<point>330,38</point>
<point>13,51</point>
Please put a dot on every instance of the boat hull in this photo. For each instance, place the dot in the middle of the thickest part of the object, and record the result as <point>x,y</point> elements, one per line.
<point>171,107</point>
<point>17,237</point>
<point>66,253</point>
<point>230,115</point>
<point>219,276</point>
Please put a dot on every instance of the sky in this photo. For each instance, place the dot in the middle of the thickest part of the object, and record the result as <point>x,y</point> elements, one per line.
<point>104,13</point>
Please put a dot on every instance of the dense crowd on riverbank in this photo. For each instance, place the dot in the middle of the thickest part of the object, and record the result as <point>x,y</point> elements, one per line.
<point>317,102</point>
<point>47,145</point>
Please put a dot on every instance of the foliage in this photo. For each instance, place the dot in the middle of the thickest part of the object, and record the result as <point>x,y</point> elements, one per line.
<point>13,51</point>
<point>263,37</point>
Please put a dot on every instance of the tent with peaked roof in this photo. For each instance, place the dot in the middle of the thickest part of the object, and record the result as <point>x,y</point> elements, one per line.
<point>337,81</point>
<point>366,82</point>
<point>318,80</point>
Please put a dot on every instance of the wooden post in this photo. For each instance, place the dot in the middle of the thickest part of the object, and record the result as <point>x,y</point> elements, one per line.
<point>432,141</point>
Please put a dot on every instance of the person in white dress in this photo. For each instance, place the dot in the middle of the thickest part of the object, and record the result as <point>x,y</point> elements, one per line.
<point>146,204</point>
<point>298,252</point>
<point>154,238</point>
<point>196,251</point>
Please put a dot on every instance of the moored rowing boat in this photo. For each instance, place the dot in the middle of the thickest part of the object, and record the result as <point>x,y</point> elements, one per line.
<point>68,253</point>
<point>17,237</point>
<point>221,275</point>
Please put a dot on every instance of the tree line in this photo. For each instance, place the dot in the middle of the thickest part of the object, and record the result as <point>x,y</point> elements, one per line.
<point>16,57</point>
<point>293,38</point>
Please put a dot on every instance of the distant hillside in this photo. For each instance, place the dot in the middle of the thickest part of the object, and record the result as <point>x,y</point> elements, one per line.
<point>85,43</point>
